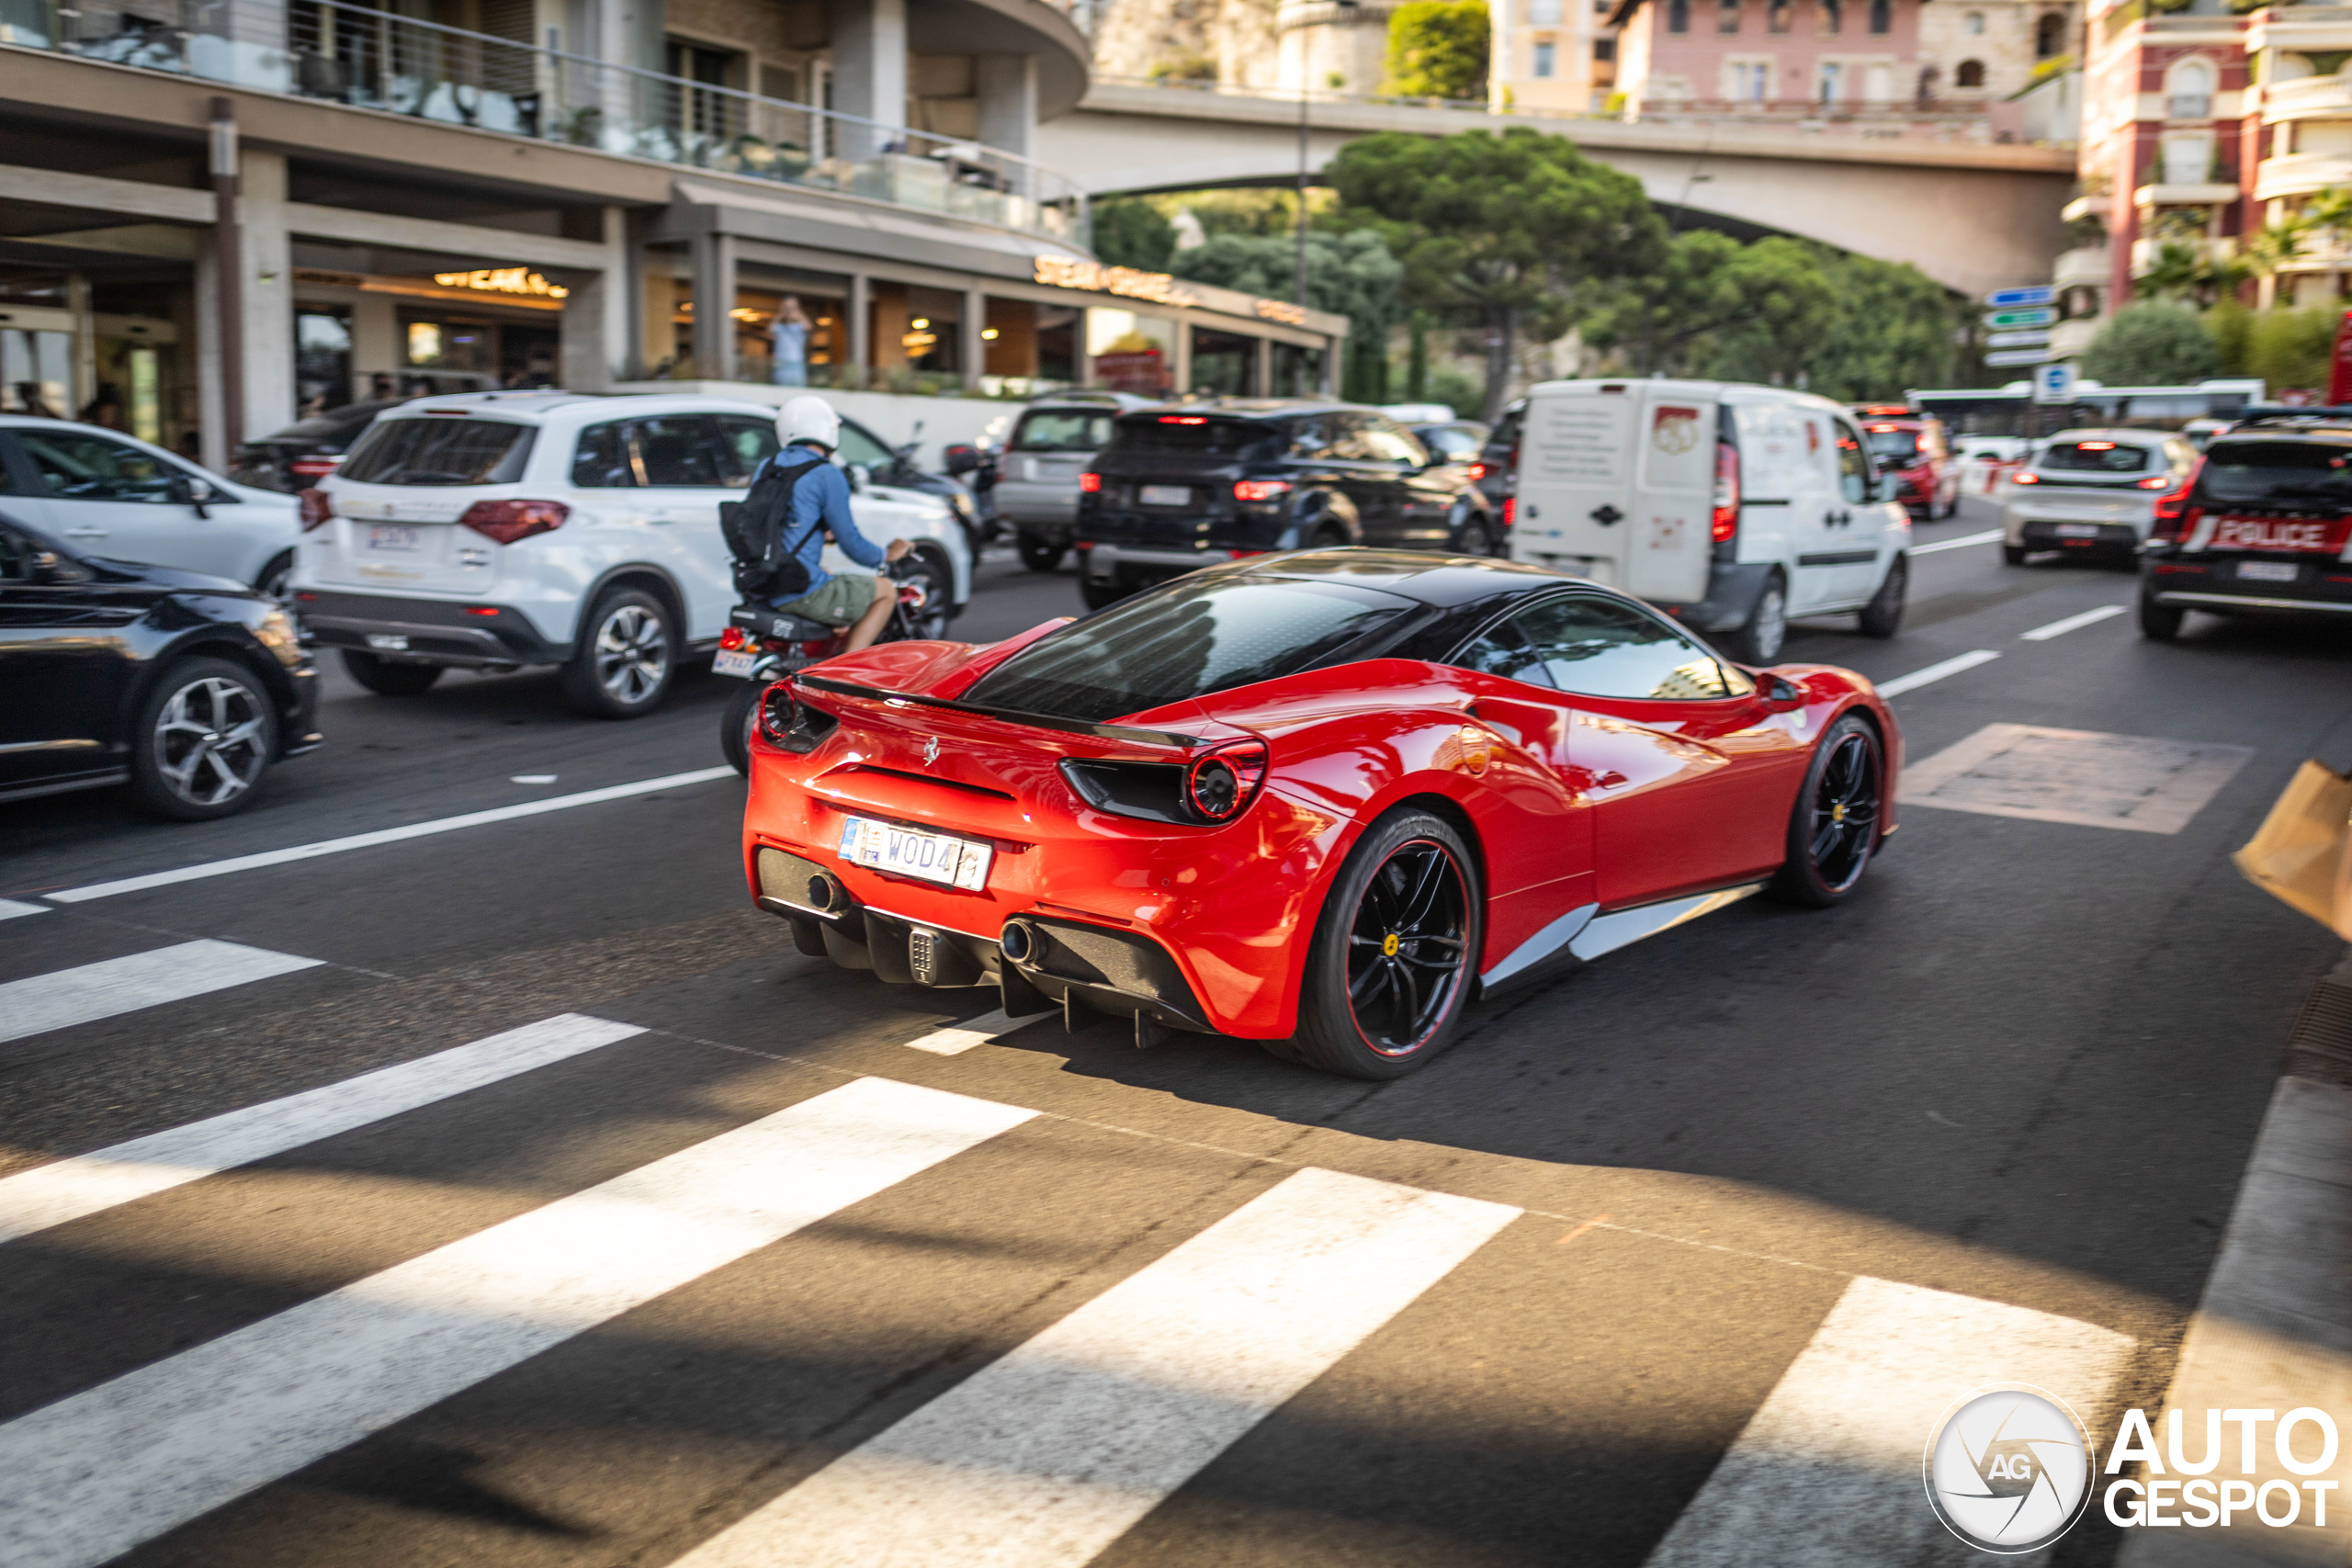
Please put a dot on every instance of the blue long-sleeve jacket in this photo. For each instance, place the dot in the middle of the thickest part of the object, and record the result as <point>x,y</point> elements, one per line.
<point>821,503</point>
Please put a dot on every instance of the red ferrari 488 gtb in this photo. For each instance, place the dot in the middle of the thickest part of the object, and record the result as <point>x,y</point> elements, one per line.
<point>1322,800</point>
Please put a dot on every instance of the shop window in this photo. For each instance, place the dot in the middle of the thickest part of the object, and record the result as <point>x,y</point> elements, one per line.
<point>322,360</point>
<point>1057,355</point>
<point>1970,74</point>
<point>449,355</point>
<point>914,333</point>
<point>1225,363</point>
<point>1298,371</point>
<point>1130,353</point>
<point>1026,348</point>
<point>792,335</point>
<point>36,373</point>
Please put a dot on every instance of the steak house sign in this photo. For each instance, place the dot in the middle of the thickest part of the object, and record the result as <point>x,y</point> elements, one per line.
<point>1067,272</point>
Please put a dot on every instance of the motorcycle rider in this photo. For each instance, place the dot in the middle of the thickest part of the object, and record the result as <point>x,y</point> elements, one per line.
<point>821,510</point>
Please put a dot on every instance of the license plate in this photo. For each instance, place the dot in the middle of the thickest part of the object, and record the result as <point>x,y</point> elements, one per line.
<point>2267,571</point>
<point>1166,495</point>
<point>2079,530</point>
<point>909,852</point>
<point>390,536</point>
<point>733,661</point>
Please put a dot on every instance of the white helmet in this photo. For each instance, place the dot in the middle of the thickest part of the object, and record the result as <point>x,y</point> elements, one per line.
<point>811,419</point>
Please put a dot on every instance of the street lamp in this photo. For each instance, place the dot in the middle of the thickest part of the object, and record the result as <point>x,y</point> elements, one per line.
<point>1305,93</point>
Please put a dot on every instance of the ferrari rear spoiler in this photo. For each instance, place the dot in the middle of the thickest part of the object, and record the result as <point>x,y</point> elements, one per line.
<point>1005,715</point>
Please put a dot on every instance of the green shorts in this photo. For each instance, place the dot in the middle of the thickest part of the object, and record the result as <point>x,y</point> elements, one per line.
<point>838,603</point>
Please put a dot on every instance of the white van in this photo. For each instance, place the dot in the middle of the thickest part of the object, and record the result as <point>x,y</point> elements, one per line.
<point>1730,507</point>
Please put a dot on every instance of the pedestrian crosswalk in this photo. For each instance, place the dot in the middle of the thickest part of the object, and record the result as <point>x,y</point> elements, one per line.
<point>116,985</point>
<point>1046,1451</point>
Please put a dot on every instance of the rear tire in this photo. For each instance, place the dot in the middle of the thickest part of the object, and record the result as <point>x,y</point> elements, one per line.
<point>1759,638</point>
<point>1834,827</point>
<point>939,598</point>
<point>735,725</point>
<point>1475,540</point>
<point>1882,616</point>
<point>2159,623</point>
<point>388,679</point>
<point>627,657</point>
<point>1100,596</point>
<point>1041,555</point>
<point>1394,958</point>
<point>2013,555</point>
<point>203,738</point>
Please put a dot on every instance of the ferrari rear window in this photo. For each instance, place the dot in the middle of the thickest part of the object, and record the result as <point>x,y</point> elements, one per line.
<point>1183,642</point>
<point>440,450</point>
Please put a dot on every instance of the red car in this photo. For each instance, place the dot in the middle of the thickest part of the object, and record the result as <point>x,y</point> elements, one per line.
<point>1321,800</point>
<point>1914,450</point>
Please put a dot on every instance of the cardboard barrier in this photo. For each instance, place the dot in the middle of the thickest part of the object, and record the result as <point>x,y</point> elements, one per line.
<point>2301,856</point>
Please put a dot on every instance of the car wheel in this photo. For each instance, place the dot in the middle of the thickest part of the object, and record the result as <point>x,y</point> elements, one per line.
<point>273,581</point>
<point>1834,830</point>
<point>1758,638</point>
<point>1328,539</point>
<point>1100,596</point>
<point>1395,951</point>
<point>627,653</point>
<point>1474,539</point>
<point>2159,623</point>
<point>938,595</point>
<point>2013,555</point>
<point>1041,555</point>
<point>735,725</point>
<point>388,678</point>
<point>1882,616</point>
<point>204,734</point>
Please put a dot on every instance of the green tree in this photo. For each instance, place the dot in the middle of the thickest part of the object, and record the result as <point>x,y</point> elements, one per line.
<point>2151,342</point>
<point>1438,48</point>
<point>1133,233</point>
<point>2230,326</point>
<point>1896,328</point>
<point>1351,272</point>
<point>1713,305</point>
<point>1494,230</point>
<point>2290,348</point>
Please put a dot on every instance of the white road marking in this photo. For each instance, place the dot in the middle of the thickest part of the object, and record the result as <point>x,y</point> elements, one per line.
<point>1827,1472</point>
<point>2072,623</point>
<point>2138,782</point>
<point>533,778</point>
<point>1933,672</point>
<point>958,1038</point>
<point>92,991</point>
<point>92,1475</point>
<point>51,1194</point>
<point>10,908</point>
<point>1046,1457</point>
<point>383,836</point>
<point>1991,535</point>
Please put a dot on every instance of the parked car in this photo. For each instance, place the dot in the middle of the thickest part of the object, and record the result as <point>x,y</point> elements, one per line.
<point>2263,527</point>
<point>1367,776</point>
<point>496,530</point>
<point>183,686</point>
<point>2091,492</point>
<point>895,471</point>
<point>1731,507</point>
<point>305,451</point>
<point>1912,450</point>
<point>105,493</point>
<point>1037,486</point>
<point>1498,473</point>
<point>1184,485</point>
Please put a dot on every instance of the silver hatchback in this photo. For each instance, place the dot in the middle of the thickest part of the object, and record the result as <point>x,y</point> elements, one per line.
<point>2091,492</point>
<point>1037,486</point>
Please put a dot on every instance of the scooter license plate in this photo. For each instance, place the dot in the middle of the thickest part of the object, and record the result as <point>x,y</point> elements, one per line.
<point>735,662</point>
<point>908,852</point>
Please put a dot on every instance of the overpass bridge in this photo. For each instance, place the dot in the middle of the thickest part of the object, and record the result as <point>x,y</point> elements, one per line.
<point>1972,215</point>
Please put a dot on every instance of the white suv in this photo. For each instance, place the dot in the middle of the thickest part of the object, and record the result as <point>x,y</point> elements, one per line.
<point>493,530</point>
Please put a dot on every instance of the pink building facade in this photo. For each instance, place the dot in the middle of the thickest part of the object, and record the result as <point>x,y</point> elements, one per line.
<point>1793,55</point>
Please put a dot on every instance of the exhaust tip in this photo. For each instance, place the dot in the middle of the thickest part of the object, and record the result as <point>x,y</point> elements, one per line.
<point>824,893</point>
<point>1015,941</point>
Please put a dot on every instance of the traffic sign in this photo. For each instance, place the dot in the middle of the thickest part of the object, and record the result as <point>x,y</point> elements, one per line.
<point>2041,295</point>
<point>2040,316</point>
<point>2054,384</point>
<point>2004,356</point>
<point>2033,338</point>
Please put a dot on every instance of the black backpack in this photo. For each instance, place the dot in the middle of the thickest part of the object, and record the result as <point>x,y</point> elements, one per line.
<point>766,566</point>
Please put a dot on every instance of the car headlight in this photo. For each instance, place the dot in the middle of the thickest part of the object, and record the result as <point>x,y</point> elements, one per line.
<point>277,634</point>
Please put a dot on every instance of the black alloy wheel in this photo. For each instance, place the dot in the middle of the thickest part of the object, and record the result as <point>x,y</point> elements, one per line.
<point>2159,623</point>
<point>1041,555</point>
<point>1834,831</point>
<point>1882,616</point>
<point>938,580</point>
<point>1392,964</point>
<point>204,734</point>
<point>1475,540</point>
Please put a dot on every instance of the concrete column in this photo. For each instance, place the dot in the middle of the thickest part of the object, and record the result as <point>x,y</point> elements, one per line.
<point>974,350</point>
<point>1007,88</point>
<point>860,329</point>
<point>1261,370</point>
<point>212,448</point>
<point>869,50</point>
<point>713,260</point>
<point>376,345</point>
<point>596,315</point>
<point>85,385</point>
<point>265,292</point>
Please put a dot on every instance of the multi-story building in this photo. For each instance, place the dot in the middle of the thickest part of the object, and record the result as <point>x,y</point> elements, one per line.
<point>222,215</point>
<point>1795,56</point>
<point>1543,54</point>
<point>1987,52</point>
<point>2297,123</point>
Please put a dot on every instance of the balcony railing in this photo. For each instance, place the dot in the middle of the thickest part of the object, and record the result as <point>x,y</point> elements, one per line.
<point>2307,96</point>
<point>350,54</point>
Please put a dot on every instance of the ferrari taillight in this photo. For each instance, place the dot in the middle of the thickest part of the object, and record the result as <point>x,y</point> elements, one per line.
<point>317,509</point>
<point>1218,786</point>
<point>777,711</point>
<point>507,521</point>
<point>1725,525</point>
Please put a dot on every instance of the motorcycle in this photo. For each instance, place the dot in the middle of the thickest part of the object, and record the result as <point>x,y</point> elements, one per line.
<point>978,467</point>
<point>763,646</point>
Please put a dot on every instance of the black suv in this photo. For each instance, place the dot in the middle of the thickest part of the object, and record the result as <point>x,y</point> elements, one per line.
<point>2264,527</point>
<point>1182,486</point>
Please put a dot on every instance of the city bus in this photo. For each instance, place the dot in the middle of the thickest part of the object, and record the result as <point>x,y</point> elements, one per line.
<point>2010,412</point>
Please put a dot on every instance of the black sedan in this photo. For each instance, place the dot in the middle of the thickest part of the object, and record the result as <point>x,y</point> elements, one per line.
<point>296,458</point>
<point>181,685</point>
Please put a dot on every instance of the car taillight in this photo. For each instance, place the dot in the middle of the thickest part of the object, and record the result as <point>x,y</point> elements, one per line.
<point>1260,490</point>
<point>508,521</point>
<point>2173,516</point>
<point>1511,510</point>
<point>1218,786</point>
<point>2022,478</point>
<point>1088,483</point>
<point>778,712</point>
<point>1725,525</point>
<point>318,509</point>
<point>1477,471</point>
<point>2157,483</point>
<point>312,467</point>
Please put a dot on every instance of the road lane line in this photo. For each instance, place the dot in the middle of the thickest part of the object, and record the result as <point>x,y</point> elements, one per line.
<point>2072,623</point>
<point>958,1038</point>
<point>1827,1474</point>
<point>10,908</point>
<point>51,1194</point>
<point>1989,537</point>
<point>92,991</point>
<point>1934,672</point>
<point>382,836</point>
<point>96,1473</point>
<point>1046,1457</point>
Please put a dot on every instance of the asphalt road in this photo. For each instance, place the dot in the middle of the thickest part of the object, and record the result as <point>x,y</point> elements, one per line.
<point>1576,1294</point>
